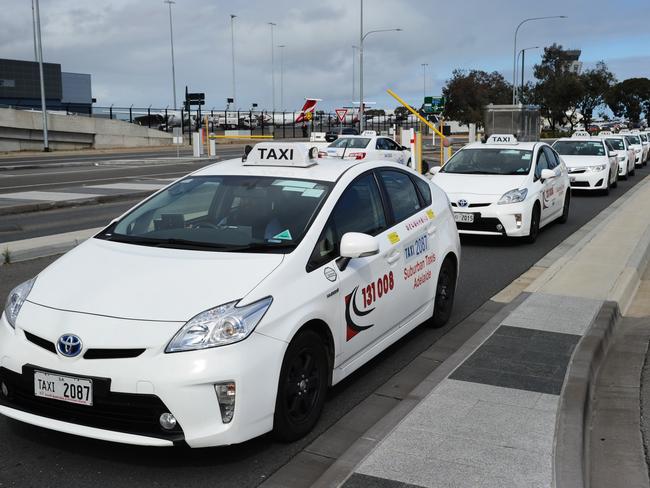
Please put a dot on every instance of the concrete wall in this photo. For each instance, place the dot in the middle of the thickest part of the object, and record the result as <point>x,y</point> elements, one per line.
<point>22,130</point>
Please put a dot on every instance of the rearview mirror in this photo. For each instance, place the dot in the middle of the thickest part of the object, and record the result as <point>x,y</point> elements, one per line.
<point>547,174</point>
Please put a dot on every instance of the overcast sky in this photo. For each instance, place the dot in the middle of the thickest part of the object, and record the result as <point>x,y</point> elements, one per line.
<point>124,44</point>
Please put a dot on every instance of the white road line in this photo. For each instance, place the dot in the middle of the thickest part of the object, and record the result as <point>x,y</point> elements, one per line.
<point>50,196</point>
<point>85,170</point>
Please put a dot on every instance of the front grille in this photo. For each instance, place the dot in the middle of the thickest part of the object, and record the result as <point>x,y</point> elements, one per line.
<point>574,171</point>
<point>481,224</point>
<point>90,353</point>
<point>472,205</point>
<point>121,412</point>
<point>580,184</point>
<point>39,341</point>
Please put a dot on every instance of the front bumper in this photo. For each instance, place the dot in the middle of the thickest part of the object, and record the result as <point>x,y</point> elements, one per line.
<point>589,180</point>
<point>511,220</point>
<point>130,393</point>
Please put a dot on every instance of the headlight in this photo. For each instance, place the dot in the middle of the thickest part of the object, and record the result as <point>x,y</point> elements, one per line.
<point>16,299</point>
<point>219,326</point>
<point>595,169</point>
<point>513,196</point>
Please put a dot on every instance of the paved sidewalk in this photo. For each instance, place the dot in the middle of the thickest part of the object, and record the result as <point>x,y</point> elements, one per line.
<point>492,421</point>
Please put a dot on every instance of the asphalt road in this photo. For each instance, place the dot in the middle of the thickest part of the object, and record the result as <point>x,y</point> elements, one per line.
<point>30,456</point>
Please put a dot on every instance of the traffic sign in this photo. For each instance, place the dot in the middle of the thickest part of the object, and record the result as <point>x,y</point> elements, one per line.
<point>341,113</point>
<point>434,105</point>
<point>195,97</point>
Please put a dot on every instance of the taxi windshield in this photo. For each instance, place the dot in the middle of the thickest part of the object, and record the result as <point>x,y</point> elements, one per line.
<point>633,139</point>
<point>489,162</point>
<point>224,213</point>
<point>579,148</point>
<point>643,137</point>
<point>350,143</point>
<point>617,144</point>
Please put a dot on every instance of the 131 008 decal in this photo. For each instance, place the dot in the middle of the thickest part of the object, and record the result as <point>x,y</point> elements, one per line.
<point>375,290</point>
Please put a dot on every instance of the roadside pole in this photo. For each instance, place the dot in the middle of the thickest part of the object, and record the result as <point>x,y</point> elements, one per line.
<point>46,144</point>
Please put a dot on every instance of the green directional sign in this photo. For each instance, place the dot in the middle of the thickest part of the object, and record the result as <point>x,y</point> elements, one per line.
<point>434,105</point>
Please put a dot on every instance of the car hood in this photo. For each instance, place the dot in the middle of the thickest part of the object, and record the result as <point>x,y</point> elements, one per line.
<point>458,184</point>
<point>583,161</point>
<point>146,283</point>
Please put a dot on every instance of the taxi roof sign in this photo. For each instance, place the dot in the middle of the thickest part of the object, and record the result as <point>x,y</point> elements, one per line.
<point>581,133</point>
<point>502,139</point>
<point>605,133</point>
<point>371,133</point>
<point>282,154</point>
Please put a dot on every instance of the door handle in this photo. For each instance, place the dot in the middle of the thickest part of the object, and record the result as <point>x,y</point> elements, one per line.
<point>393,257</point>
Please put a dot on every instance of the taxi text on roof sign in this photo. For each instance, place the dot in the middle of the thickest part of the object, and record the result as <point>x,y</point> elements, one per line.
<point>605,133</point>
<point>581,133</point>
<point>502,139</point>
<point>282,154</point>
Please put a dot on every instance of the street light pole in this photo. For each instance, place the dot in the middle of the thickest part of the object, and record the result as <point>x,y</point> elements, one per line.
<point>362,37</point>
<point>171,39</point>
<point>514,52</point>
<point>272,24</point>
<point>354,73</point>
<point>46,144</point>
<point>281,47</point>
<point>232,48</point>
<point>424,80</point>
<point>522,53</point>
<point>34,32</point>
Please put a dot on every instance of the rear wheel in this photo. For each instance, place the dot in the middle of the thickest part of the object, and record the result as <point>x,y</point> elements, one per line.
<point>565,208</point>
<point>445,290</point>
<point>534,225</point>
<point>302,387</point>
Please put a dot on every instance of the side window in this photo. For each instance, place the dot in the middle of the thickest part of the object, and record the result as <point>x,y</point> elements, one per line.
<point>381,144</point>
<point>542,163</point>
<point>425,190</point>
<point>402,196</point>
<point>392,145</point>
<point>551,159</point>
<point>359,209</point>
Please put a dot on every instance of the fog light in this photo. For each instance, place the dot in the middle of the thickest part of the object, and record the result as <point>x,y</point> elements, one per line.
<point>167,421</point>
<point>4,389</point>
<point>518,220</point>
<point>226,393</point>
<point>499,227</point>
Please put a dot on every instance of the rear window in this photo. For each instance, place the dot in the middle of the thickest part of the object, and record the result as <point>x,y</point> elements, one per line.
<point>580,148</point>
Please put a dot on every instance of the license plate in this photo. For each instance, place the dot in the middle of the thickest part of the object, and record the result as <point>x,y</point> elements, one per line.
<point>465,218</point>
<point>63,388</point>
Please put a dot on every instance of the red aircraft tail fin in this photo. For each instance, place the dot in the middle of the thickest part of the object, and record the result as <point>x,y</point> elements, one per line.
<point>307,111</point>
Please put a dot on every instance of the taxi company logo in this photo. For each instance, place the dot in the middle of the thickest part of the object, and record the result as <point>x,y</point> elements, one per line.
<point>352,327</point>
<point>463,203</point>
<point>330,274</point>
<point>69,345</point>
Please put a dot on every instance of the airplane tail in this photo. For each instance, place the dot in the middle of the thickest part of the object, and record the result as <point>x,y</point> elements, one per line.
<point>307,111</point>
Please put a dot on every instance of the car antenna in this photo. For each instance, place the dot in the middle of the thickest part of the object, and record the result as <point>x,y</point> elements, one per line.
<point>347,143</point>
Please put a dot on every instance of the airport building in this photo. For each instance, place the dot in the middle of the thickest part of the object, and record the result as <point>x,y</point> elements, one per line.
<point>20,87</point>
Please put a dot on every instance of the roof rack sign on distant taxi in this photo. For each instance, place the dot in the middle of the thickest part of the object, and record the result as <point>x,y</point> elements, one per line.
<point>502,139</point>
<point>282,154</point>
<point>581,133</point>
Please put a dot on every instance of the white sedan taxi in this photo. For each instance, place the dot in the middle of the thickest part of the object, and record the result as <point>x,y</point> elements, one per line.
<point>635,142</point>
<point>505,187</point>
<point>367,146</point>
<point>625,154</point>
<point>592,164</point>
<point>225,305</point>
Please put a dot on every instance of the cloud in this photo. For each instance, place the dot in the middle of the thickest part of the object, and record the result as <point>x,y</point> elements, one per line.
<point>125,44</point>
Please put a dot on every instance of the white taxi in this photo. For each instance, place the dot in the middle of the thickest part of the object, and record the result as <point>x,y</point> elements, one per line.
<point>635,142</point>
<point>225,305</point>
<point>505,187</point>
<point>645,143</point>
<point>625,154</point>
<point>591,163</point>
<point>367,146</point>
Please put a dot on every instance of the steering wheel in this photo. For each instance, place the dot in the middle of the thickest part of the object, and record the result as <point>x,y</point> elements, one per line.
<point>207,225</point>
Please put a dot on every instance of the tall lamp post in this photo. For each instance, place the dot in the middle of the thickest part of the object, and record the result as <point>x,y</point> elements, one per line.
<point>46,144</point>
<point>522,53</point>
<point>514,52</point>
<point>354,72</point>
<point>281,47</point>
<point>171,40</point>
<point>424,80</point>
<point>232,52</point>
<point>273,24</point>
<point>362,37</point>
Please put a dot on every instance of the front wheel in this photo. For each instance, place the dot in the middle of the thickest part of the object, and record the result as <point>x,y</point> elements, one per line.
<point>565,208</point>
<point>302,387</point>
<point>445,291</point>
<point>534,225</point>
<point>615,184</point>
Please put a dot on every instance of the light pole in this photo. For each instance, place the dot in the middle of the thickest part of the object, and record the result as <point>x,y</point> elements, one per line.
<point>34,32</point>
<point>281,47</point>
<point>46,144</point>
<point>424,80</point>
<point>273,24</point>
<point>354,73</point>
<point>522,53</point>
<point>232,49</point>
<point>362,38</point>
<point>514,52</point>
<point>171,40</point>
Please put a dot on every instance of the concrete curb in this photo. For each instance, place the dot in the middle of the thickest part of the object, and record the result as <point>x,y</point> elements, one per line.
<point>572,433</point>
<point>37,207</point>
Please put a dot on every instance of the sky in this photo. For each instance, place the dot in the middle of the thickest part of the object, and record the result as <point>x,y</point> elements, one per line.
<point>125,45</point>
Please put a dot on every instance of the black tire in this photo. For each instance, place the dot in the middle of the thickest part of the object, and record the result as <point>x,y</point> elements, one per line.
<point>633,172</point>
<point>565,208</point>
<point>625,176</point>
<point>615,184</point>
<point>302,387</point>
<point>445,291</point>
<point>534,225</point>
<point>605,191</point>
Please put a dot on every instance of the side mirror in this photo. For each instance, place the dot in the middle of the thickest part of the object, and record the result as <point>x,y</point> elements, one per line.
<point>547,174</point>
<point>358,245</point>
<point>435,170</point>
<point>404,148</point>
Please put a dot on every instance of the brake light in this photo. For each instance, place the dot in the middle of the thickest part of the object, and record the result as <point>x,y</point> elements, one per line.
<point>322,154</point>
<point>358,155</point>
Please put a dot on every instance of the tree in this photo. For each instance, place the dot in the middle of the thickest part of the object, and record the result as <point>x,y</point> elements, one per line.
<point>558,89</point>
<point>629,99</point>
<point>595,84</point>
<point>468,92</point>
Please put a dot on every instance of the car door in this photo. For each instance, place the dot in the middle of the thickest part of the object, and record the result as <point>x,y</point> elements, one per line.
<point>367,286</point>
<point>383,150</point>
<point>398,155</point>
<point>547,188</point>
<point>413,223</point>
<point>613,161</point>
